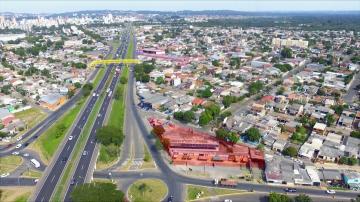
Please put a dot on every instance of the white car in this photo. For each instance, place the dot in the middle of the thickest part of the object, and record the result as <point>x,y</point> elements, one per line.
<point>330,191</point>
<point>15,153</point>
<point>227,200</point>
<point>70,137</point>
<point>36,180</point>
<point>26,154</point>
<point>19,138</point>
<point>18,146</point>
<point>4,175</point>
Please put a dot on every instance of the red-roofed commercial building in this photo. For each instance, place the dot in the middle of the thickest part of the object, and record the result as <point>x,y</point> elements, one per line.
<point>189,147</point>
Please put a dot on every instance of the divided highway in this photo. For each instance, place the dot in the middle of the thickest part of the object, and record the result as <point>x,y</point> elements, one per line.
<point>85,160</point>
<point>60,160</point>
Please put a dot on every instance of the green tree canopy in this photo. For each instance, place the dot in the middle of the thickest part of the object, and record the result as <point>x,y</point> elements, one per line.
<point>290,151</point>
<point>253,134</point>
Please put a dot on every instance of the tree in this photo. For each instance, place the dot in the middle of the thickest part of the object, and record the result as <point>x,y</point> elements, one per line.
<point>276,197</point>
<point>286,53</point>
<point>228,100</point>
<point>255,87</point>
<point>216,63</point>
<point>253,135</point>
<point>70,93</point>
<point>87,88</point>
<point>213,109</point>
<point>97,191</point>
<point>280,91</point>
<point>189,116</point>
<point>123,80</point>
<point>205,118</point>
<point>159,80</point>
<point>77,85</point>
<point>302,198</point>
<point>290,151</point>
<point>142,188</point>
<point>1,78</point>
<point>107,135</point>
<point>329,119</point>
<point>206,93</point>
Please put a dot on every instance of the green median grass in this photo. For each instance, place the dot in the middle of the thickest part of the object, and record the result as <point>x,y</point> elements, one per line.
<point>116,117</point>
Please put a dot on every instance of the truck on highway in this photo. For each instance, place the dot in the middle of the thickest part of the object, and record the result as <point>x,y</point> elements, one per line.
<point>225,182</point>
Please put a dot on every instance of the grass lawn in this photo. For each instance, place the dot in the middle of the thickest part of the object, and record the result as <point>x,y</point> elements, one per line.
<point>147,190</point>
<point>148,161</point>
<point>15,194</point>
<point>32,174</point>
<point>193,191</point>
<point>49,141</point>
<point>9,163</point>
<point>105,159</point>
<point>31,116</point>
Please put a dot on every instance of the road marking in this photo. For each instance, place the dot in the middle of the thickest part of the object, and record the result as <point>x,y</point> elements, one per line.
<point>53,178</point>
<point>82,167</point>
<point>42,199</point>
<point>68,148</point>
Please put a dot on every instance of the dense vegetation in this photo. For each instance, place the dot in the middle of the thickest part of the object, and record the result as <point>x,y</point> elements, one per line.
<point>227,135</point>
<point>142,72</point>
<point>253,135</point>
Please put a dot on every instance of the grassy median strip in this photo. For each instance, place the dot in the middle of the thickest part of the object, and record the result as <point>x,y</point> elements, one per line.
<point>109,155</point>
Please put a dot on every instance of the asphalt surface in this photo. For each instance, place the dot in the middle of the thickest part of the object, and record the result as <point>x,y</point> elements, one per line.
<point>352,93</point>
<point>54,175</point>
<point>83,165</point>
<point>12,181</point>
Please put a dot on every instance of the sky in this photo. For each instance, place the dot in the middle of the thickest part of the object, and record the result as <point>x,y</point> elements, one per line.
<point>51,6</point>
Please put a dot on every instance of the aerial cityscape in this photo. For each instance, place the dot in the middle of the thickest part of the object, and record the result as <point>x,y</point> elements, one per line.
<point>194,100</point>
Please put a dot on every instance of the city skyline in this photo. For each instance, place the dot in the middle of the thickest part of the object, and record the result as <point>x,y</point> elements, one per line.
<point>37,7</point>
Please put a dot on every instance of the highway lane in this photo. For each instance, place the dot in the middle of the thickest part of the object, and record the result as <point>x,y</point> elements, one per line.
<point>32,134</point>
<point>60,162</point>
<point>84,163</point>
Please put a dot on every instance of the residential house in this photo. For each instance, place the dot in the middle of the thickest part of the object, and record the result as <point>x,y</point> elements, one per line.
<point>352,179</point>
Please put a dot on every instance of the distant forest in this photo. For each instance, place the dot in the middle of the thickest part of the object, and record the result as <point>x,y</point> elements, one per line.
<point>309,22</point>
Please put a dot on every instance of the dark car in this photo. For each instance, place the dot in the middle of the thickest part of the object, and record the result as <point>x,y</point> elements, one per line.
<point>171,198</point>
<point>291,190</point>
<point>64,159</point>
<point>26,144</point>
<point>72,182</point>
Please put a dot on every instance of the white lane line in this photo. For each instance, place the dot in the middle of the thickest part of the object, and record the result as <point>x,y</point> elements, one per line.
<point>52,179</point>
<point>42,199</point>
<point>68,148</point>
<point>82,167</point>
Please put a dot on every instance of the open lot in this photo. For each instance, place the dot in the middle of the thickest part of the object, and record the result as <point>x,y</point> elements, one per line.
<point>204,192</point>
<point>9,163</point>
<point>15,194</point>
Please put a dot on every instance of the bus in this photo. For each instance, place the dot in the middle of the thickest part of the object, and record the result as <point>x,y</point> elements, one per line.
<point>35,163</point>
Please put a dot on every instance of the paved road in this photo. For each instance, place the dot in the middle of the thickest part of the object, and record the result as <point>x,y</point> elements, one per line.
<point>54,175</point>
<point>352,93</point>
<point>85,160</point>
<point>12,181</point>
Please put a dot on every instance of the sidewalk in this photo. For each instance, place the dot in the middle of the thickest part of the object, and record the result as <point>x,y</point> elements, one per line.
<point>334,166</point>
